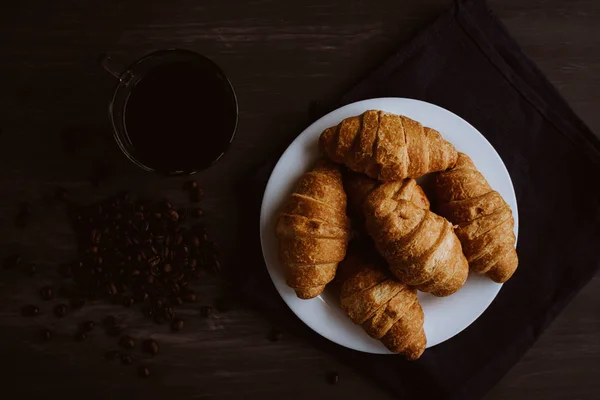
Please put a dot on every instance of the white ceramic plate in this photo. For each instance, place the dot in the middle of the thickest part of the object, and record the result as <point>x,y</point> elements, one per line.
<point>444,317</point>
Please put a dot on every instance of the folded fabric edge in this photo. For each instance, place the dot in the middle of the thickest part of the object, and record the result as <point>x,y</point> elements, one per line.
<point>494,40</point>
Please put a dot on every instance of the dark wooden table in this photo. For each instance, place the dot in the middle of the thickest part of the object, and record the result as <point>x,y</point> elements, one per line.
<point>281,56</point>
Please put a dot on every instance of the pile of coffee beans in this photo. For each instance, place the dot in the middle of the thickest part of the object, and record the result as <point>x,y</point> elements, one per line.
<point>133,252</point>
<point>138,252</point>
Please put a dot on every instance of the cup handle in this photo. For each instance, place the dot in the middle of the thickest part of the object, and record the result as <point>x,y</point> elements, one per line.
<point>109,65</point>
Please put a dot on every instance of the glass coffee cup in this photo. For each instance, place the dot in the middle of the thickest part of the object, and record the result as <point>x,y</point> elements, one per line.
<point>173,111</point>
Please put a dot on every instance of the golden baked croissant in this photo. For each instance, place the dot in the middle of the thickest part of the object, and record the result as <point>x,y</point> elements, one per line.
<point>419,246</point>
<point>359,186</point>
<point>387,147</point>
<point>485,222</point>
<point>313,230</point>
<point>387,309</point>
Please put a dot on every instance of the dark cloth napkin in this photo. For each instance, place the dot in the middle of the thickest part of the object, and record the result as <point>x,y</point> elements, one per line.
<point>467,63</point>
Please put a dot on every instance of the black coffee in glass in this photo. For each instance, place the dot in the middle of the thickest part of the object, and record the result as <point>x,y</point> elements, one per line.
<point>179,113</point>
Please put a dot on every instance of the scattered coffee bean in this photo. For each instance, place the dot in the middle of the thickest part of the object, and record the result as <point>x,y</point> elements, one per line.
<point>80,336</point>
<point>126,359</point>
<point>197,213</point>
<point>196,194</point>
<point>189,297</point>
<point>127,342</point>
<point>333,378</point>
<point>23,214</point>
<point>111,355</point>
<point>11,262</point>
<point>30,269</point>
<point>46,293</point>
<point>173,215</point>
<point>177,324</point>
<point>275,335</point>
<point>143,371</point>
<point>46,335</point>
<point>205,311</point>
<point>60,310</point>
<point>128,301</point>
<point>30,310</point>
<point>62,194</point>
<point>87,326</point>
<point>176,300</point>
<point>150,346</point>
<point>189,185</point>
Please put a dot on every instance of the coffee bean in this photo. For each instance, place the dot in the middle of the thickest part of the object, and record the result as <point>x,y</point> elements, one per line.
<point>205,311</point>
<point>176,300</point>
<point>177,324</point>
<point>141,296</point>
<point>30,310</point>
<point>143,371</point>
<point>87,326</point>
<point>183,213</point>
<point>127,342</point>
<point>168,313</point>
<point>195,241</point>
<point>196,194</point>
<point>275,335</point>
<point>80,336</point>
<point>197,213</point>
<point>333,378</point>
<point>111,289</point>
<point>11,262</point>
<point>126,359</point>
<point>173,215</point>
<point>46,335</point>
<point>150,346</point>
<point>111,355</point>
<point>189,185</point>
<point>62,194</point>
<point>128,301</point>
<point>46,293</point>
<point>60,310</point>
<point>215,266</point>
<point>189,297</point>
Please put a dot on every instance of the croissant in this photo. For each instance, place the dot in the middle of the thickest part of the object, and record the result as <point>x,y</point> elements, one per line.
<point>387,147</point>
<point>420,247</point>
<point>485,222</point>
<point>359,186</point>
<point>387,309</point>
<point>313,230</point>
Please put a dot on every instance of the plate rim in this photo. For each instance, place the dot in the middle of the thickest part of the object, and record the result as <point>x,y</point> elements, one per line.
<point>311,323</point>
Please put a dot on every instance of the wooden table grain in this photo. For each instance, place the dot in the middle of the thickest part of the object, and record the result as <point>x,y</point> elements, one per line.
<point>281,56</point>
